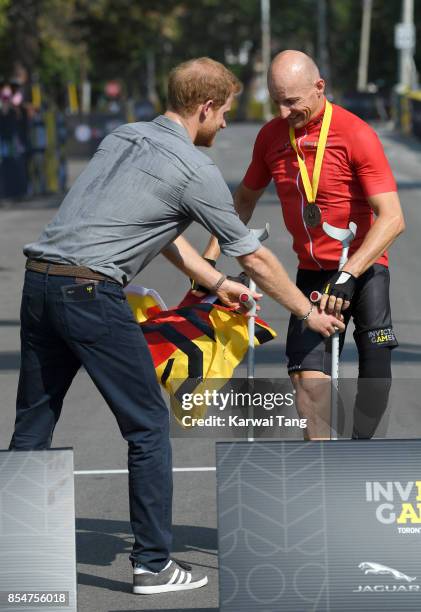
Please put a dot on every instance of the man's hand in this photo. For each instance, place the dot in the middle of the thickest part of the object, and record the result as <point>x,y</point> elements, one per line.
<point>229,294</point>
<point>338,292</point>
<point>324,323</point>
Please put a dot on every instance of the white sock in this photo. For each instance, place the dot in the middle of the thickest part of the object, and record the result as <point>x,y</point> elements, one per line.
<point>142,569</point>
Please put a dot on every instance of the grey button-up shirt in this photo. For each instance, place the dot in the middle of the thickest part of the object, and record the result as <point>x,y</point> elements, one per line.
<point>143,187</point>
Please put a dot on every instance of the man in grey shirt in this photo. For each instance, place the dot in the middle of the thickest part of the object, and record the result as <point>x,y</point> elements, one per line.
<point>146,183</point>
<point>143,187</point>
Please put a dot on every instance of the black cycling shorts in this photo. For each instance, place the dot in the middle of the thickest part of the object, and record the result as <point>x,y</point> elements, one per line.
<point>370,310</point>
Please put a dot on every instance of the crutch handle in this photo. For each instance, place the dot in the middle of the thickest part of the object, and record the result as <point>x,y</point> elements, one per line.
<point>315,297</point>
<point>247,301</point>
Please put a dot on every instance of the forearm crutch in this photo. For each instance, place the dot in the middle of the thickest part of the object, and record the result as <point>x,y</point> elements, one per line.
<point>345,237</point>
<point>250,304</point>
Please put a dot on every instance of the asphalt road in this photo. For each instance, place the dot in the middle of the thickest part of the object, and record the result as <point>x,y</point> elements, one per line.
<point>103,531</point>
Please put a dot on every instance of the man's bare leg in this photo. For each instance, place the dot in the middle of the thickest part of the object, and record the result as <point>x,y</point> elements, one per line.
<point>313,396</point>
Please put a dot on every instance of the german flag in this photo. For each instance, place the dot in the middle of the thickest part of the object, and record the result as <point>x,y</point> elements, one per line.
<point>193,342</point>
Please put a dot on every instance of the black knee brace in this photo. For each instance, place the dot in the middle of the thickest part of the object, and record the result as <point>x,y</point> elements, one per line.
<point>374,382</point>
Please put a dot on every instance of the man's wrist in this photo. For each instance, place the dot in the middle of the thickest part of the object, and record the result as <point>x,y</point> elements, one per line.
<point>195,285</point>
<point>304,315</point>
<point>352,269</point>
<point>218,283</point>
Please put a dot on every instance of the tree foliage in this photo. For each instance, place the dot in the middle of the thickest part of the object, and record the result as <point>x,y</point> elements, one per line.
<point>62,40</point>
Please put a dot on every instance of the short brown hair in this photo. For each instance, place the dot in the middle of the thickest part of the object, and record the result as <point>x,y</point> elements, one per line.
<point>195,81</point>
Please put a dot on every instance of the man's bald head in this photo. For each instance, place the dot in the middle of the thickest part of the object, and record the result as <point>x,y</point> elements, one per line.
<point>295,86</point>
<point>293,67</point>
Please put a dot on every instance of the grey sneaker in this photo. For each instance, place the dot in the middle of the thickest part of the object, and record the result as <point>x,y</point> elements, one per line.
<point>178,576</point>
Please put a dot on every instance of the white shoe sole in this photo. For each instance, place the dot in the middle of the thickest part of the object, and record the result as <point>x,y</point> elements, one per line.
<point>165,588</point>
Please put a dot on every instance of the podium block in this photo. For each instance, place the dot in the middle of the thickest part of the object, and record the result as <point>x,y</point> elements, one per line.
<point>319,526</point>
<point>37,531</point>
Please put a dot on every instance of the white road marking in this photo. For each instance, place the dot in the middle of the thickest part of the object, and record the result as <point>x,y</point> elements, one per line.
<point>105,472</point>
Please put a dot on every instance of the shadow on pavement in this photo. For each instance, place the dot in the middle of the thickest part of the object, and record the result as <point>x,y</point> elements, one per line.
<point>104,583</point>
<point>172,610</point>
<point>99,541</point>
<point>407,185</point>
<point>10,360</point>
<point>405,352</point>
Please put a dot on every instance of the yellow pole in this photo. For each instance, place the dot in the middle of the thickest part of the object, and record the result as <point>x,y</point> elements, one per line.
<point>406,113</point>
<point>50,160</point>
<point>73,98</point>
<point>36,96</point>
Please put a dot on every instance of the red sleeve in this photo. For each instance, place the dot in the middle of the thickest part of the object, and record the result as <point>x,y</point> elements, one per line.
<point>370,162</point>
<point>258,174</point>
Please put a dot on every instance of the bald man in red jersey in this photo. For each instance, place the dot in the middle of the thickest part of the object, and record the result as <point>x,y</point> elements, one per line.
<point>355,184</point>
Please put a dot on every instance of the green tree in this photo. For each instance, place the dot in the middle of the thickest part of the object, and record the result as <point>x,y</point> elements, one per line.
<point>121,35</point>
<point>62,40</point>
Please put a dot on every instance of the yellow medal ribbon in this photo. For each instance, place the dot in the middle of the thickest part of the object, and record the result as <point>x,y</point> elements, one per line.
<point>311,188</point>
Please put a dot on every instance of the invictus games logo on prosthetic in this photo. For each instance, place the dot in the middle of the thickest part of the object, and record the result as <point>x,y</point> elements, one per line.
<point>397,504</point>
<point>381,336</point>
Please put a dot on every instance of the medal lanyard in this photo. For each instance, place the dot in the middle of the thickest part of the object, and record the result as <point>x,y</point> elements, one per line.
<point>311,188</point>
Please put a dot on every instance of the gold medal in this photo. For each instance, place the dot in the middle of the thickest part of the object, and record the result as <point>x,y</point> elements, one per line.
<point>312,215</point>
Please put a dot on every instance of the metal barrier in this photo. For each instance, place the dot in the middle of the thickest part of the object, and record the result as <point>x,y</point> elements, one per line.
<point>32,153</point>
<point>14,149</point>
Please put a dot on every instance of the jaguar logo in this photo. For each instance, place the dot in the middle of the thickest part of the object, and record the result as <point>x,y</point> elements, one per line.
<point>368,567</point>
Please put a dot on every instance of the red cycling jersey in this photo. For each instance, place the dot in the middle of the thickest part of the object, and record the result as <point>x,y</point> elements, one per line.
<point>354,168</point>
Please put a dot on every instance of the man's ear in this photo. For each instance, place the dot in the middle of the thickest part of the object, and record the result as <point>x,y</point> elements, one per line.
<point>320,86</point>
<point>206,107</point>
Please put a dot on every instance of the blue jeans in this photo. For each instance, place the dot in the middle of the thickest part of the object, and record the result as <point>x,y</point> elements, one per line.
<point>64,326</point>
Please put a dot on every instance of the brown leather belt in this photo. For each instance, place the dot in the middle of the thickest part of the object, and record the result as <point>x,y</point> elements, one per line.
<point>81,273</point>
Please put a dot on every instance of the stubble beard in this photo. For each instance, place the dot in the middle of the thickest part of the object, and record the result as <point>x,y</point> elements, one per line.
<point>205,137</point>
